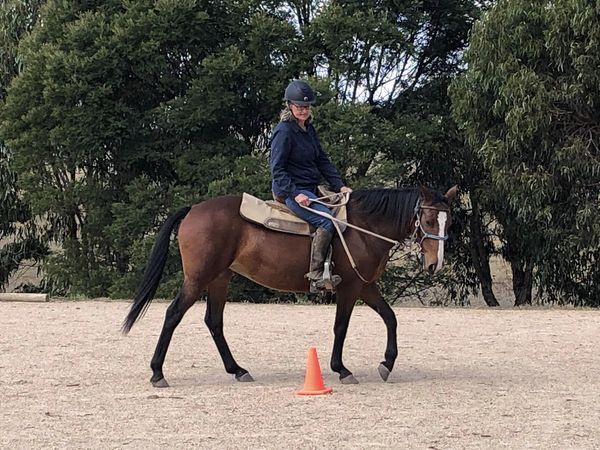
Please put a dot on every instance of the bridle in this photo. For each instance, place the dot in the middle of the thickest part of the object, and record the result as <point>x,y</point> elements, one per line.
<point>419,225</point>
<point>442,216</point>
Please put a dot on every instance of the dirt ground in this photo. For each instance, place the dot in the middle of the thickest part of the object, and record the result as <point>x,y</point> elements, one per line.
<point>465,378</point>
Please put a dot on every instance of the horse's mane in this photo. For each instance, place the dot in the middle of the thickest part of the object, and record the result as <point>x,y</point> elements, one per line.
<point>392,205</point>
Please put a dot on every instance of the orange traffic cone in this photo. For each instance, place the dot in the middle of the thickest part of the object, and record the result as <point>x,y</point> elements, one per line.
<point>313,381</point>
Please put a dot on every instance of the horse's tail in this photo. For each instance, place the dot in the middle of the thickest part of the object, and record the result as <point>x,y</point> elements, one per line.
<point>154,269</point>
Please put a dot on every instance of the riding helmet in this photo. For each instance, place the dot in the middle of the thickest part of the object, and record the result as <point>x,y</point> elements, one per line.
<point>300,93</point>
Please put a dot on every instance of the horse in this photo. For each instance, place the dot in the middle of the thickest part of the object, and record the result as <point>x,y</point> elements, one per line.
<point>215,242</point>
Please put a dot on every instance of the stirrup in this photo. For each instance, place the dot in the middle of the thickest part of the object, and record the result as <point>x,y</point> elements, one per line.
<point>325,284</point>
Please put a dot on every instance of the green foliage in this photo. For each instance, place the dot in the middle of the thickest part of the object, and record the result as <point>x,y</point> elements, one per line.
<point>358,142</point>
<point>430,152</point>
<point>398,58</point>
<point>17,18</point>
<point>12,254</point>
<point>250,173</point>
<point>16,228</point>
<point>528,105</point>
<point>379,51</point>
<point>125,111</point>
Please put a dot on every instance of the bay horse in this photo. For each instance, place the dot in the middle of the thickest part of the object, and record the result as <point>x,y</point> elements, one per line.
<point>215,241</point>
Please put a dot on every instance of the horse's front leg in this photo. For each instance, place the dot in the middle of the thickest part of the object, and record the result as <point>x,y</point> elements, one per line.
<point>345,305</point>
<point>371,296</point>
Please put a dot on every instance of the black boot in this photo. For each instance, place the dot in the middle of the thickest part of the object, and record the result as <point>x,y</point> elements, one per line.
<point>320,247</point>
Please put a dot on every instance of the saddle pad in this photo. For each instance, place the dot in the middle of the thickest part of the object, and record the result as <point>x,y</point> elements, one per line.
<point>275,216</point>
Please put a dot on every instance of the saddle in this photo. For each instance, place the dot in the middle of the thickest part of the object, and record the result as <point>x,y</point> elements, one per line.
<point>276,216</point>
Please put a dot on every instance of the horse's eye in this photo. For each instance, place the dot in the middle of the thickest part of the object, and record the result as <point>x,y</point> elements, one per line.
<point>429,223</point>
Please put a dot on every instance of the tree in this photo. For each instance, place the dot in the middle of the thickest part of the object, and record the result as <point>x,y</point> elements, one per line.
<point>124,111</point>
<point>16,19</point>
<point>377,52</point>
<point>129,110</point>
<point>395,60</point>
<point>527,104</point>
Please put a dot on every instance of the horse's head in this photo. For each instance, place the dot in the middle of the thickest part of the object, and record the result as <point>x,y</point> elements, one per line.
<point>432,222</point>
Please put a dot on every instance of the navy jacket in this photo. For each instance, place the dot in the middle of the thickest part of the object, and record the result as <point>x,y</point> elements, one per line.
<point>298,161</point>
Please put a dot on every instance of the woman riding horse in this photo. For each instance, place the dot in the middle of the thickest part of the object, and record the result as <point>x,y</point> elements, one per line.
<point>297,164</point>
<point>215,241</point>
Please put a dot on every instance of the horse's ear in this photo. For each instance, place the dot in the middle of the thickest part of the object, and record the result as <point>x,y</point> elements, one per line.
<point>451,194</point>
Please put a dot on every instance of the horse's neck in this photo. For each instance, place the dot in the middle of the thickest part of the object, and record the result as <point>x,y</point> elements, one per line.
<point>374,243</point>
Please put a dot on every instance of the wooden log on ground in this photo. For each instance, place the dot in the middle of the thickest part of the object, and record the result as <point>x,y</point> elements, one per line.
<point>21,297</point>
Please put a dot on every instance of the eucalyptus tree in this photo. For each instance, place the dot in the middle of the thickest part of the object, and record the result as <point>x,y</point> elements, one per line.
<point>16,229</point>
<point>528,104</point>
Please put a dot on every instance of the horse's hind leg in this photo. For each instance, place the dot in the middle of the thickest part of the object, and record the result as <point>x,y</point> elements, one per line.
<point>217,295</point>
<point>372,297</point>
<point>186,297</point>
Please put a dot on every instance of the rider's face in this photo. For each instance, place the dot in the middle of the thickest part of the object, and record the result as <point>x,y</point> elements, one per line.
<point>300,112</point>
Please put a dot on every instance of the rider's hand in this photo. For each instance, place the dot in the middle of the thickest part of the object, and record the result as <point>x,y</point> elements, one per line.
<point>345,189</point>
<point>302,199</point>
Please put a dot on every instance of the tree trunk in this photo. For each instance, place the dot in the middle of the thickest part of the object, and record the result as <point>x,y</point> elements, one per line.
<point>480,256</point>
<point>522,282</point>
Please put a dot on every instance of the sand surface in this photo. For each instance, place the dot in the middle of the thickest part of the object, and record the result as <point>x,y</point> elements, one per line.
<point>465,378</point>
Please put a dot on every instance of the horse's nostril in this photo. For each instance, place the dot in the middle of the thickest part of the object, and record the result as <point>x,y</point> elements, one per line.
<point>431,268</point>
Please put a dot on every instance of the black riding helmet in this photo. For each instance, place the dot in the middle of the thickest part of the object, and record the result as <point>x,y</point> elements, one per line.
<point>300,93</point>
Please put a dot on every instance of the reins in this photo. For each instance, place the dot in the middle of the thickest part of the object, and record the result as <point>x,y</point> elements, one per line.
<point>396,243</point>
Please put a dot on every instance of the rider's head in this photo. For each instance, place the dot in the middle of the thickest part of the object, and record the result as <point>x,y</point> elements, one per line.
<point>299,97</point>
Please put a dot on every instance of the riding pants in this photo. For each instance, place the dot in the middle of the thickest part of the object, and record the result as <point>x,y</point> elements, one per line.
<point>312,218</point>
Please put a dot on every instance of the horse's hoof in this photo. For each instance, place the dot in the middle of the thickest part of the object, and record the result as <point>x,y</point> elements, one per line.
<point>162,383</point>
<point>384,372</point>
<point>349,380</point>
<point>245,378</point>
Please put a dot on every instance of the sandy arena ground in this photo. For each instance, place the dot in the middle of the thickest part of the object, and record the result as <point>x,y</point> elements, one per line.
<point>465,378</point>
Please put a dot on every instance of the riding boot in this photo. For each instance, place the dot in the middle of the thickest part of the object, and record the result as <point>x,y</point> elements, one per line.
<point>320,247</point>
